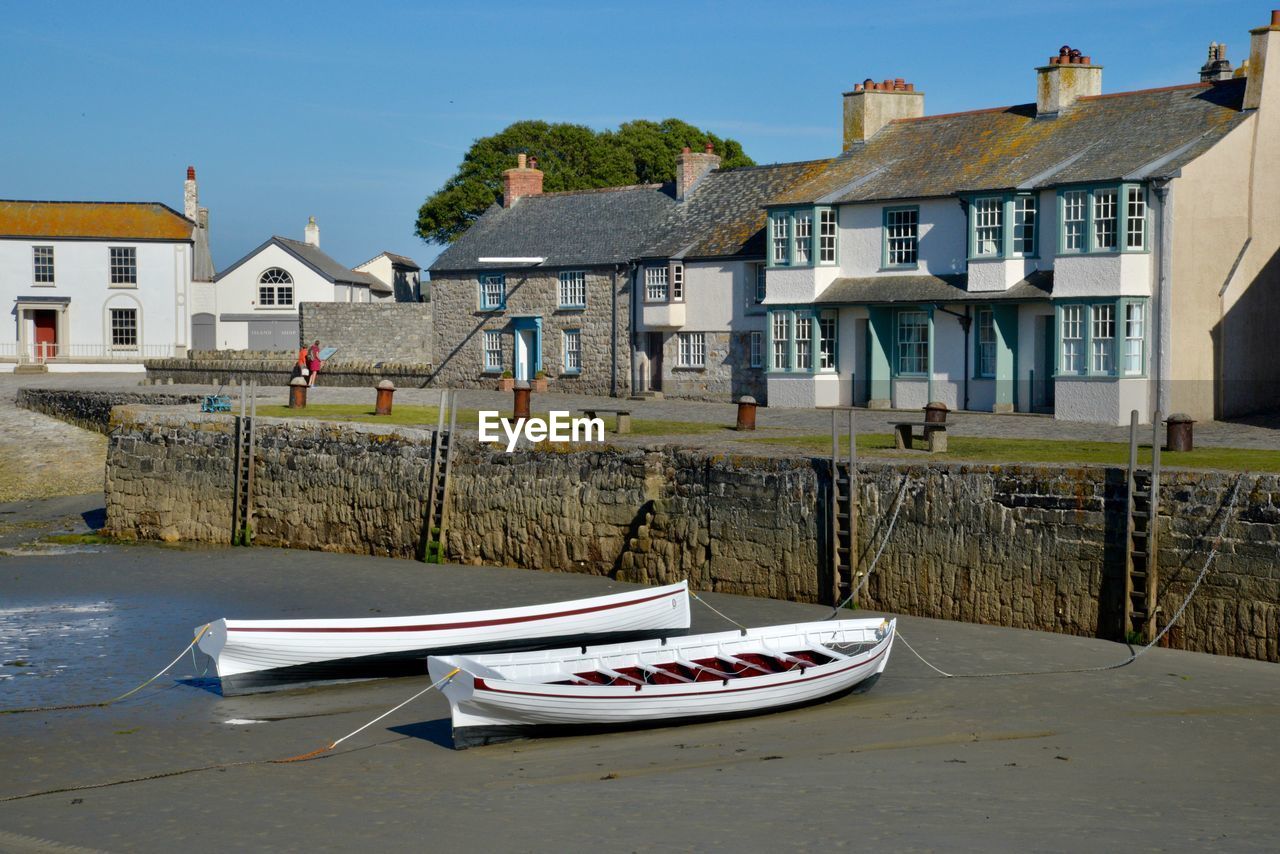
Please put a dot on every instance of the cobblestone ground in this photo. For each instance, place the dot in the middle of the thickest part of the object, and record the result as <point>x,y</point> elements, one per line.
<point>42,456</point>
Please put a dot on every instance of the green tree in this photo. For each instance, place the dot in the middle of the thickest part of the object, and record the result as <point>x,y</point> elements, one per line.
<point>572,157</point>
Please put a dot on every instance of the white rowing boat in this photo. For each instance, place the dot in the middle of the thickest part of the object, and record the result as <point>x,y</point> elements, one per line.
<point>261,655</point>
<point>659,682</point>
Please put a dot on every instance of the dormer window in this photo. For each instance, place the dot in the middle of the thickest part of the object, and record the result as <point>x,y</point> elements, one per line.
<point>1103,219</point>
<point>779,225</point>
<point>1024,225</point>
<point>804,240</point>
<point>1004,226</point>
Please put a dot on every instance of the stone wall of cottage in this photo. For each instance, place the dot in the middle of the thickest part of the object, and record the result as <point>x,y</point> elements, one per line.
<point>390,332</point>
<point>727,376</point>
<point>604,326</point>
<point>277,369</point>
<point>1036,547</point>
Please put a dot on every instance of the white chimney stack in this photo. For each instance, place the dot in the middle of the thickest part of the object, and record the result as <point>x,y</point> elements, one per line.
<point>312,235</point>
<point>1067,78</point>
<point>190,195</point>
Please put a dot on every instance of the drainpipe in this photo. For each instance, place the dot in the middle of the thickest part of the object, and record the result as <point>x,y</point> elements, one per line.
<point>1162,356</point>
<point>613,334</point>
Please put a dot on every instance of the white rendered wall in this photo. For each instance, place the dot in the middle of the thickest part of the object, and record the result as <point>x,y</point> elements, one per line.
<point>237,293</point>
<point>1103,275</point>
<point>1101,401</point>
<point>798,285</point>
<point>943,239</point>
<point>82,274</point>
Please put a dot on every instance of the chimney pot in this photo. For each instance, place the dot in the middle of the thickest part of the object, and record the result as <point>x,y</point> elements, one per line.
<point>1275,17</point>
<point>191,173</point>
<point>533,162</point>
<point>685,150</point>
<point>520,160</point>
<point>710,148</point>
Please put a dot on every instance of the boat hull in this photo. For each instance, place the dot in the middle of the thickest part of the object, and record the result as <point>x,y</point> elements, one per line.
<point>265,655</point>
<point>501,697</point>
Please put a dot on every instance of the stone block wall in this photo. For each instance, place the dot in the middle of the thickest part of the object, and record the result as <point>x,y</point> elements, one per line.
<point>278,371</point>
<point>390,332</point>
<point>92,409</point>
<point>604,326</point>
<point>1039,547</point>
<point>728,374</point>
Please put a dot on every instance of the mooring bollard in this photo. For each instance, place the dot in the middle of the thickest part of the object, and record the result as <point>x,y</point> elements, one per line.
<point>935,412</point>
<point>520,406</point>
<point>1179,436</point>
<point>386,388</point>
<point>746,412</point>
<point>298,393</point>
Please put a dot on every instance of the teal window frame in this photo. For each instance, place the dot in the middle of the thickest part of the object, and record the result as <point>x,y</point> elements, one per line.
<point>1011,212</point>
<point>788,216</point>
<point>897,371</point>
<point>485,278</point>
<point>1008,210</point>
<point>1118,339</point>
<point>978,372</point>
<point>1090,246</point>
<point>885,263</point>
<point>815,317</point>
<point>755,349</point>
<point>571,306</point>
<point>564,348</point>
<point>485,350</point>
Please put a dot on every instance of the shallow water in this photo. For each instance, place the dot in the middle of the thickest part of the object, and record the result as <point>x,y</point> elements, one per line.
<point>50,641</point>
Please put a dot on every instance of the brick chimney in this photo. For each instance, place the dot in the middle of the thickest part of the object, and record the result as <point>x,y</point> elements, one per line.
<point>311,235</point>
<point>871,106</point>
<point>524,180</point>
<point>1067,78</point>
<point>1264,47</point>
<point>190,196</point>
<point>1217,66</point>
<point>691,167</point>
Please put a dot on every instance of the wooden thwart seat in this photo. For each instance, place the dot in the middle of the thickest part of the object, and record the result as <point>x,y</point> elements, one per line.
<point>934,435</point>
<point>622,423</point>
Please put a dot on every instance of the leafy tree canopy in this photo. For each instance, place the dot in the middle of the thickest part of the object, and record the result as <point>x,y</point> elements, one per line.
<point>572,157</point>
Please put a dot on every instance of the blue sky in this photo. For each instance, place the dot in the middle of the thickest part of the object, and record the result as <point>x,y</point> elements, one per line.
<point>354,113</point>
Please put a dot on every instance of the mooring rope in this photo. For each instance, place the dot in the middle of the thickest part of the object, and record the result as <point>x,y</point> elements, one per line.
<point>1134,654</point>
<point>302,757</point>
<point>893,520</point>
<point>698,598</point>
<point>103,703</point>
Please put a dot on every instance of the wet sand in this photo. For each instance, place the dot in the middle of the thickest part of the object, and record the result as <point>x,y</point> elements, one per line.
<point>1178,750</point>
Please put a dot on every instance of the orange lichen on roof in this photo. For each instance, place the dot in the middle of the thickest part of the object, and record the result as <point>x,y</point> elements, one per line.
<point>115,220</point>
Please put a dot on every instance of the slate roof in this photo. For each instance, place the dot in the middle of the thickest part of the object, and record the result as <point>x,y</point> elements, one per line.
<point>724,215</point>
<point>398,260</point>
<point>930,289</point>
<point>108,220</point>
<point>1129,135</point>
<point>569,229</point>
<point>316,260</point>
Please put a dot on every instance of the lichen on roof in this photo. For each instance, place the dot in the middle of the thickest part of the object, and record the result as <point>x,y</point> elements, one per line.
<point>108,220</point>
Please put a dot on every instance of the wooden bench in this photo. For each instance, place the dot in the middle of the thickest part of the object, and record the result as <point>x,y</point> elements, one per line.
<point>934,434</point>
<point>623,422</point>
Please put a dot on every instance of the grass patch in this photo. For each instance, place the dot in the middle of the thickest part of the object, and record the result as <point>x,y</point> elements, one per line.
<point>977,449</point>
<point>427,416</point>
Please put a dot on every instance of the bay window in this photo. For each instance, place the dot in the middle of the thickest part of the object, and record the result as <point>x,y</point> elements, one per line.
<point>1102,338</point>
<point>655,284</point>
<point>1103,219</point>
<point>792,241</point>
<point>988,226</point>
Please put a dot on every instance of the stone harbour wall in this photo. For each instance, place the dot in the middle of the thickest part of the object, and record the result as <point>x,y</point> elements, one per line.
<point>1037,547</point>
<point>391,332</point>
<point>92,409</point>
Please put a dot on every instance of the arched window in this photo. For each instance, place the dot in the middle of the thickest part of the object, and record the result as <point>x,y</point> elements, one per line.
<point>275,288</point>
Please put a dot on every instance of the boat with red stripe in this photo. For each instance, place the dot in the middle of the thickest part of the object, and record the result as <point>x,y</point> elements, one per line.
<point>664,682</point>
<point>263,655</point>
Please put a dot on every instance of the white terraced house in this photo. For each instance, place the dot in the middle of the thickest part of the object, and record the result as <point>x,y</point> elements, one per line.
<point>99,285</point>
<point>1084,255</point>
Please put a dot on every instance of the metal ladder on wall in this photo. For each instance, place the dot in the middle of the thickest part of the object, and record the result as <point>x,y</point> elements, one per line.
<point>844,511</point>
<point>1142,530</point>
<point>433,523</point>
<point>246,445</point>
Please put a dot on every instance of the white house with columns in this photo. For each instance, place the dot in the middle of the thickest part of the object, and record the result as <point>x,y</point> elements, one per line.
<point>97,285</point>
